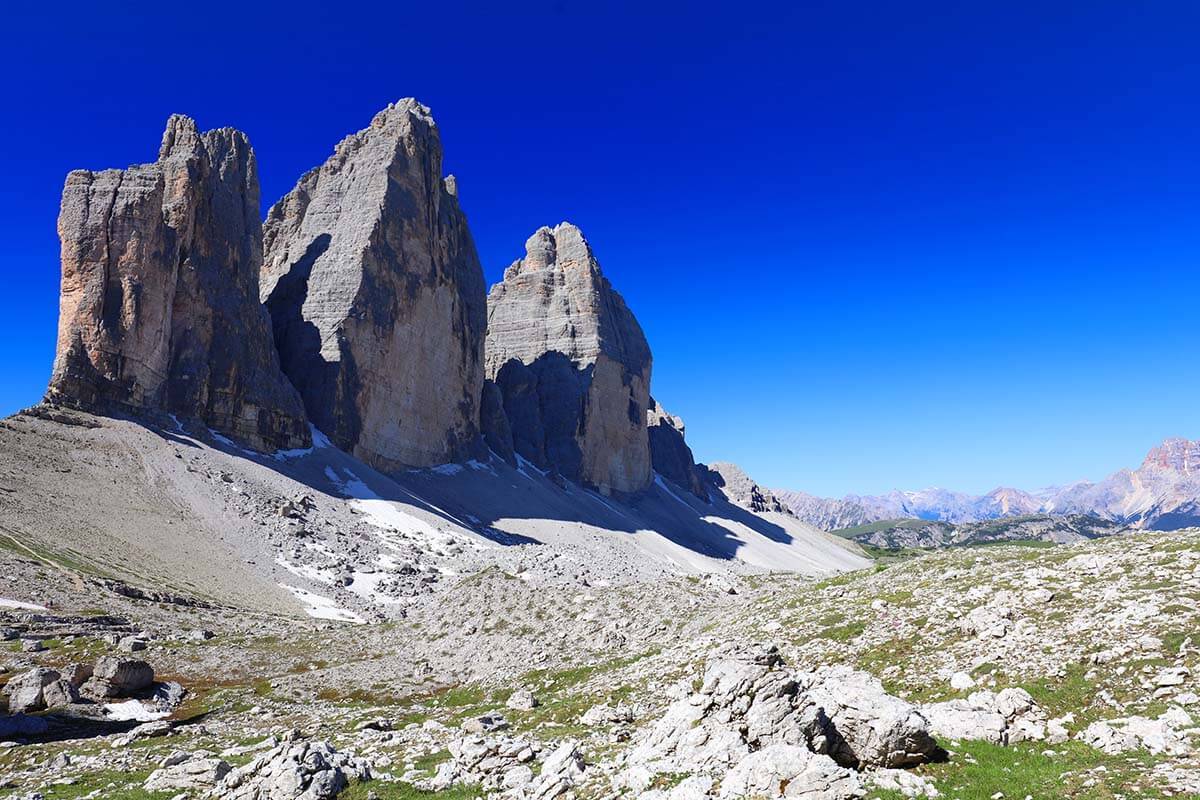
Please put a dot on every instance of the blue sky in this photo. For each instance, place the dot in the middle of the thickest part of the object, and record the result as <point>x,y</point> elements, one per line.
<point>872,246</point>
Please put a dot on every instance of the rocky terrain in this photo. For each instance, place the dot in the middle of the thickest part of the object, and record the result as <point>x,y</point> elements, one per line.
<point>964,673</point>
<point>330,523</point>
<point>908,533</point>
<point>1162,494</point>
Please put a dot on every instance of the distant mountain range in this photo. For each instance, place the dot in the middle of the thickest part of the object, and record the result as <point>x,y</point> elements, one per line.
<point>1162,494</point>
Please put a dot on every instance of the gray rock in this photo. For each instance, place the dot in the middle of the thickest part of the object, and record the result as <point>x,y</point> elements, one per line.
<point>485,723</point>
<point>867,726</point>
<point>740,489</point>
<point>377,297</point>
<point>748,701</point>
<point>159,306</point>
<point>784,770</point>
<point>572,365</point>
<point>522,700</point>
<point>295,770</point>
<point>131,644</point>
<point>76,674</point>
<point>192,772</point>
<point>669,453</point>
<point>60,693</point>
<point>118,677</point>
<point>26,692</point>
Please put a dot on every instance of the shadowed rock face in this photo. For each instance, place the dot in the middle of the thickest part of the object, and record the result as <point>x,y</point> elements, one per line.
<point>740,489</point>
<point>572,365</point>
<point>669,453</point>
<point>159,309</point>
<point>377,296</point>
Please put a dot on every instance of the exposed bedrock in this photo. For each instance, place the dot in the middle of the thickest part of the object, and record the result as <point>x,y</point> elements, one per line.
<point>669,453</point>
<point>571,364</point>
<point>159,308</point>
<point>377,296</point>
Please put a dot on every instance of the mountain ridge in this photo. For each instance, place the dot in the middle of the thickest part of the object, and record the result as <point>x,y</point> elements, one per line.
<point>1163,493</point>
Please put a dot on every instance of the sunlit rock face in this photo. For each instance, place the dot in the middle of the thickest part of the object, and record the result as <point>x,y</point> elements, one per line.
<point>377,296</point>
<point>159,308</point>
<point>572,365</point>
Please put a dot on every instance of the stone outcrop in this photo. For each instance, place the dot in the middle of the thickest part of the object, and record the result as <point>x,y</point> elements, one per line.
<point>740,489</point>
<point>756,727</point>
<point>377,296</point>
<point>159,309</point>
<point>572,365</point>
<point>669,453</point>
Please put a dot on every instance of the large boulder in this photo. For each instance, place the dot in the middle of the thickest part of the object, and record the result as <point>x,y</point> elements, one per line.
<point>813,726</point>
<point>377,296</point>
<point>295,770</point>
<point>572,365</point>
<point>867,726</point>
<point>1005,717</point>
<point>785,770</point>
<point>118,677</point>
<point>27,691</point>
<point>669,453</point>
<point>159,308</point>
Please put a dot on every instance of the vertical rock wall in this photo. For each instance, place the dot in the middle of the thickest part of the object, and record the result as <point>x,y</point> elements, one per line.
<point>572,365</point>
<point>377,296</point>
<point>159,308</point>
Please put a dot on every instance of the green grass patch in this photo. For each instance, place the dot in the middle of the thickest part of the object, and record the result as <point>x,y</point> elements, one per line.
<point>405,791</point>
<point>977,770</point>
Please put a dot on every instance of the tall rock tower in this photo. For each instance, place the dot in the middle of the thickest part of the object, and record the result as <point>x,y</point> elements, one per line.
<point>159,309</point>
<point>571,364</point>
<point>377,297</point>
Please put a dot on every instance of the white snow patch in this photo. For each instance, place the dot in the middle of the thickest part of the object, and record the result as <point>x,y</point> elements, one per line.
<point>319,440</point>
<point>658,480</point>
<point>321,607</point>
<point>448,469</point>
<point>230,443</point>
<point>522,464</point>
<point>133,710</point>
<point>305,571</point>
<point>6,603</point>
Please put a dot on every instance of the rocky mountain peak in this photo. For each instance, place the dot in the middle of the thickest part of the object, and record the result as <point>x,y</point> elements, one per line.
<point>669,452</point>
<point>571,363</point>
<point>377,297</point>
<point>740,489</point>
<point>159,306</point>
<point>1176,455</point>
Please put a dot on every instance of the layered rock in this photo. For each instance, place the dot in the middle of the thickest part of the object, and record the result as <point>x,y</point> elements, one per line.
<point>572,365</point>
<point>669,453</point>
<point>377,297</point>
<point>159,309</point>
<point>757,727</point>
<point>740,489</point>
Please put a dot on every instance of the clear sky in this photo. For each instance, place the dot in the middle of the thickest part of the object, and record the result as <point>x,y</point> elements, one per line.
<point>873,245</point>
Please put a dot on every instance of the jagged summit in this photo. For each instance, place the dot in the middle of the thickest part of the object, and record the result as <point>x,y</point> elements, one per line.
<point>377,296</point>
<point>1163,493</point>
<point>572,365</point>
<point>159,303</point>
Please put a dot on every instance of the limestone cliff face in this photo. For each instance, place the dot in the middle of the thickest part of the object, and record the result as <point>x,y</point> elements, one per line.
<point>377,296</point>
<point>572,365</point>
<point>740,489</point>
<point>669,453</point>
<point>159,308</point>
